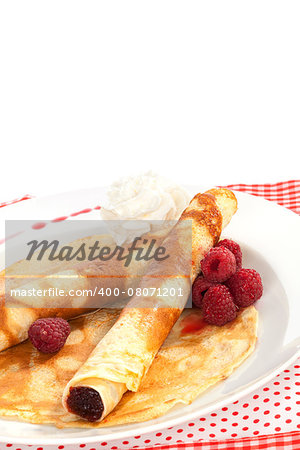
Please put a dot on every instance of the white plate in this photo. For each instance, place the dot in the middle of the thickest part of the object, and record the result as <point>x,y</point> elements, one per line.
<point>269,236</point>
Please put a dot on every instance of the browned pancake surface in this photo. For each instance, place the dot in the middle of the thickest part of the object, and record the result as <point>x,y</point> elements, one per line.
<point>31,383</point>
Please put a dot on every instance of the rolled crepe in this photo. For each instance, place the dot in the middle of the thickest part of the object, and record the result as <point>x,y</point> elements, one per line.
<point>19,314</point>
<point>122,358</point>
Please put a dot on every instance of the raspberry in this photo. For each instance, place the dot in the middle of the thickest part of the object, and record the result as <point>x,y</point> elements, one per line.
<point>245,286</point>
<point>200,285</point>
<point>49,335</point>
<point>218,306</point>
<point>218,265</point>
<point>234,248</point>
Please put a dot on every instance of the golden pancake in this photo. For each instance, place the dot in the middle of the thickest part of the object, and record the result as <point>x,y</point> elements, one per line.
<point>194,357</point>
<point>123,357</point>
<point>15,321</point>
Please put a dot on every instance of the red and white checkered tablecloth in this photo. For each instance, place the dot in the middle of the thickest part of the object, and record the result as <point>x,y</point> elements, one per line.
<point>265,419</point>
<point>285,193</point>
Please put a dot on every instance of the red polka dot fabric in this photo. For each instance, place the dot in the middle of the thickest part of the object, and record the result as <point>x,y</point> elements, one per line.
<point>266,418</point>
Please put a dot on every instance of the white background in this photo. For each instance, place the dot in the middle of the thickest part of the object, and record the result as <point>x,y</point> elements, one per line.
<point>201,92</point>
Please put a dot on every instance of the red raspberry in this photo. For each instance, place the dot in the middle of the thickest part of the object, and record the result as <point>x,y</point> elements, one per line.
<point>218,265</point>
<point>245,286</point>
<point>200,285</point>
<point>218,306</point>
<point>49,335</point>
<point>234,248</point>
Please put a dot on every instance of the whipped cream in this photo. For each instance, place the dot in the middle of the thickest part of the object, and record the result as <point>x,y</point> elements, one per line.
<point>147,197</point>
